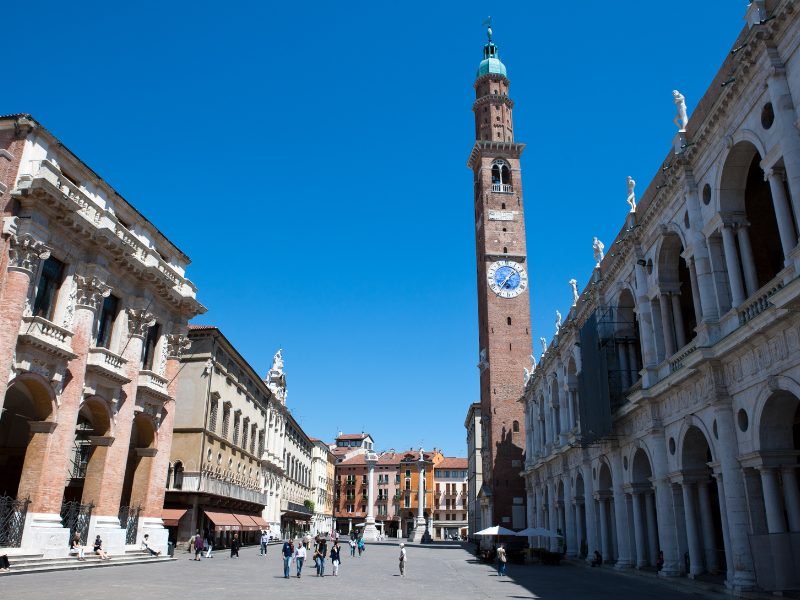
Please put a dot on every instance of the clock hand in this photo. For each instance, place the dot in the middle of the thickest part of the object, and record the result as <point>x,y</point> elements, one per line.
<point>505,281</point>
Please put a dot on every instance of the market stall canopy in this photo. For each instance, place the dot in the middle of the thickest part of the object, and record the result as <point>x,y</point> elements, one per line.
<point>171,516</point>
<point>223,521</point>
<point>496,530</point>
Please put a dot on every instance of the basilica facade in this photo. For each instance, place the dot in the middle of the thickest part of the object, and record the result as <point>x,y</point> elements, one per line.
<point>663,420</point>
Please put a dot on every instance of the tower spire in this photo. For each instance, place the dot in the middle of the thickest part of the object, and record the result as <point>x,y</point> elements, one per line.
<point>488,23</point>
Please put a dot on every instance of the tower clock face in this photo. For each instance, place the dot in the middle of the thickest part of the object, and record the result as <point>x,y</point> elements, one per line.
<point>507,278</point>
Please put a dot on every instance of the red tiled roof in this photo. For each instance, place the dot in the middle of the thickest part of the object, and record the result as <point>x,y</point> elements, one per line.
<point>451,462</point>
<point>352,436</point>
<point>354,461</point>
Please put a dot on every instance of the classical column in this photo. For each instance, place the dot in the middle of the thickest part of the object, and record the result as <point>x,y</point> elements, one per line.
<point>726,539</point>
<point>707,523</point>
<point>605,543</point>
<point>419,526</point>
<point>370,531</point>
<point>677,317</point>
<point>693,537</point>
<point>732,264</point>
<point>773,502</point>
<point>638,530</point>
<point>643,311</point>
<point>621,515</point>
<point>652,528</point>
<point>785,119</point>
<point>589,509</point>
<point>569,519</point>
<point>748,264</point>
<point>698,308</point>
<point>666,324</point>
<point>579,517</point>
<point>667,528</point>
<point>633,361</point>
<point>783,213</point>
<point>530,507</point>
<point>791,496</point>
<point>25,253</point>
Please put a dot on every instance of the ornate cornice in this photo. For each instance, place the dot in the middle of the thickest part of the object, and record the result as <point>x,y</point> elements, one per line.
<point>25,254</point>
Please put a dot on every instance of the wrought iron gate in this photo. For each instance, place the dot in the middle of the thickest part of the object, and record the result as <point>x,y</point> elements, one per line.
<point>12,521</point>
<point>129,519</point>
<point>76,516</point>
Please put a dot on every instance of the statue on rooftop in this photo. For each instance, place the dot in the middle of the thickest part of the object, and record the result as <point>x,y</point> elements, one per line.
<point>632,193</point>
<point>598,248</point>
<point>277,360</point>
<point>544,344</point>
<point>681,118</point>
<point>574,285</point>
<point>558,321</point>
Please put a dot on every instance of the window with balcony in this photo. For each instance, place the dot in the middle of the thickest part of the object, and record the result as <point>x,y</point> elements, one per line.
<point>149,347</point>
<point>501,177</point>
<point>52,275</point>
<point>105,324</point>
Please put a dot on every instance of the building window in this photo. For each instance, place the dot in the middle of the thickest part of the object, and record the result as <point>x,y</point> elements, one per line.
<point>245,431</point>
<point>177,476</point>
<point>149,347</point>
<point>212,415</point>
<point>261,436</point>
<point>253,430</point>
<point>49,282</point>
<point>407,501</point>
<point>516,426</point>
<point>226,419</point>
<point>408,484</point>
<point>108,315</point>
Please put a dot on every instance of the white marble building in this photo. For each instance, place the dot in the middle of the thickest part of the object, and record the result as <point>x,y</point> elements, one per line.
<point>664,416</point>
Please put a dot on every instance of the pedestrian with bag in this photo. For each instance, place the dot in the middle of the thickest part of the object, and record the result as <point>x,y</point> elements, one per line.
<point>336,557</point>
<point>501,560</point>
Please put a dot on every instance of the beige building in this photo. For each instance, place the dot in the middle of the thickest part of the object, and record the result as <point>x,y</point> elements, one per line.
<point>474,467</point>
<point>323,467</point>
<point>216,484</point>
<point>298,490</point>
<point>450,499</point>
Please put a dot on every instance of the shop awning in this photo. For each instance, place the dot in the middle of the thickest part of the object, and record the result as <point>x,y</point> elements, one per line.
<point>260,522</point>
<point>223,521</point>
<point>247,523</point>
<point>171,516</point>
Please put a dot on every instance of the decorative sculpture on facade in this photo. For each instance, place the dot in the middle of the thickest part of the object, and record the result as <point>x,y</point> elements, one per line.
<point>632,193</point>
<point>277,361</point>
<point>598,248</point>
<point>681,118</point>
<point>574,285</point>
<point>558,321</point>
<point>544,344</point>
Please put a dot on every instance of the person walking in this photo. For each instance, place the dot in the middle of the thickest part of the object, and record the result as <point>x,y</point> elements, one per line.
<point>322,547</point>
<point>501,560</point>
<point>264,542</point>
<point>336,557</point>
<point>300,556</point>
<point>361,546</point>
<point>208,542</point>
<point>235,545</point>
<point>76,547</point>
<point>198,546</point>
<point>287,551</point>
<point>352,547</point>
<point>403,559</point>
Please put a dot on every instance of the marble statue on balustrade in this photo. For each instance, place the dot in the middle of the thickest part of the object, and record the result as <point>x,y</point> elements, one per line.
<point>598,248</point>
<point>558,321</point>
<point>632,193</point>
<point>681,118</point>
<point>544,344</point>
<point>573,283</point>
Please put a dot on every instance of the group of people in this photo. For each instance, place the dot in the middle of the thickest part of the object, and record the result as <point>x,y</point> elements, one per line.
<point>78,549</point>
<point>297,551</point>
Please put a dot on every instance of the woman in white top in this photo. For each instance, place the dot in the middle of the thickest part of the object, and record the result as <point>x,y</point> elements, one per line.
<point>300,556</point>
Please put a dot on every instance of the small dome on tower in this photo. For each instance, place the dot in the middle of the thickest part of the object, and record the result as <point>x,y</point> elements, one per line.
<point>491,62</point>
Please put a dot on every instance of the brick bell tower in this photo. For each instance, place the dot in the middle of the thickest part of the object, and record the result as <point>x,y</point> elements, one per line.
<point>503,302</point>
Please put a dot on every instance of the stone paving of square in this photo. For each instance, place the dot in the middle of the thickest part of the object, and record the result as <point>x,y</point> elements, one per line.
<point>438,571</point>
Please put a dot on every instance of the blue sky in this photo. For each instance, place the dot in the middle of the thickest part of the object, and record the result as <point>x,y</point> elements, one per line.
<point>310,158</point>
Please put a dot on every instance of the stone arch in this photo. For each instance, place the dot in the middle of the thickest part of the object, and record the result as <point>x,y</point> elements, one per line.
<point>689,424</point>
<point>774,385</point>
<point>39,393</point>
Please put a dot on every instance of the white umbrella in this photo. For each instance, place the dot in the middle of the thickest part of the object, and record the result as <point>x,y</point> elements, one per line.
<point>496,530</point>
<point>537,531</point>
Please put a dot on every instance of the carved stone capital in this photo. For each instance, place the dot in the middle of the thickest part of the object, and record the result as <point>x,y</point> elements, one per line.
<point>90,291</point>
<point>177,344</point>
<point>139,321</point>
<point>25,254</point>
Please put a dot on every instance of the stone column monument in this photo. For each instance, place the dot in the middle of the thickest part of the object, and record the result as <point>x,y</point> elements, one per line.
<point>370,531</point>
<point>416,534</point>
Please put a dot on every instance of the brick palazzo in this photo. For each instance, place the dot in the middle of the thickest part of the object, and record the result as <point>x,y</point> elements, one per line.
<point>93,311</point>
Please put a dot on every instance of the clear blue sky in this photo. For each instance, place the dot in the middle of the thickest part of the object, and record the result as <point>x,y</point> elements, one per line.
<point>310,158</point>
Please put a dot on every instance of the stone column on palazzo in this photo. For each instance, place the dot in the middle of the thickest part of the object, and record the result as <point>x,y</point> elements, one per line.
<point>734,498</point>
<point>783,213</point>
<point>696,300</point>
<point>785,118</point>
<point>667,529</point>
<point>633,361</point>
<point>605,542</point>
<point>638,529</point>
<point>106,494</point>
<point>589,509</point>
<point>652,528</point>
<point>25,254</point>
<point>773,502</point>
<point>748,263</point>
<point>732,264</point>
<point>580,534</point>
<point>692,533</point>
<point>418,532</point>
<point>707,525</point>
<point>530,507</point>
<point>723,513</point>
<point>666,324</point>
<point>569,520</point>
<point>791,496</point>
<point>700,268</point>
<point>677,318</point>
<point>624,559</point>
<point>649,353</point>
<point>370,531</point>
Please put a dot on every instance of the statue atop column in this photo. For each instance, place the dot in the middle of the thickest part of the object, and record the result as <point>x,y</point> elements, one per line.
<point>598,248</point>
<point>632,193</point>
<point>574,285</point>
<point>681,118</point>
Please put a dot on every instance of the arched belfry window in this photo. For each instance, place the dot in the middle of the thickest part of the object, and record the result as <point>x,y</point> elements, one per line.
<point>501,176</point>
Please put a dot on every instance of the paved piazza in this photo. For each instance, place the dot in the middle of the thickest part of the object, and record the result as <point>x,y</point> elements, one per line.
<point>433,572</point>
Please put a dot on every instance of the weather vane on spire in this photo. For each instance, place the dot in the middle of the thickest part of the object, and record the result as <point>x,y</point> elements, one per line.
<point>488,23</point>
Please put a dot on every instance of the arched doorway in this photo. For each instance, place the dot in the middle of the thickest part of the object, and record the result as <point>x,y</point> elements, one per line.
<point>25,425</point>
<point>676,302</point>
<point>700,506</point>
<point>644,510</point>
<point>626,338</point>
<point>605,513</point>
<point>92,426</point>
<point>136,485</point>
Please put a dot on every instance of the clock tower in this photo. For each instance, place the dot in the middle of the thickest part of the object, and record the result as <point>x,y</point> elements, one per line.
<point>503,302</point>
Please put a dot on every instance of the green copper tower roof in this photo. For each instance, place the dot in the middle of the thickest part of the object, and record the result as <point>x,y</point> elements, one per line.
<point>491,62</point>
